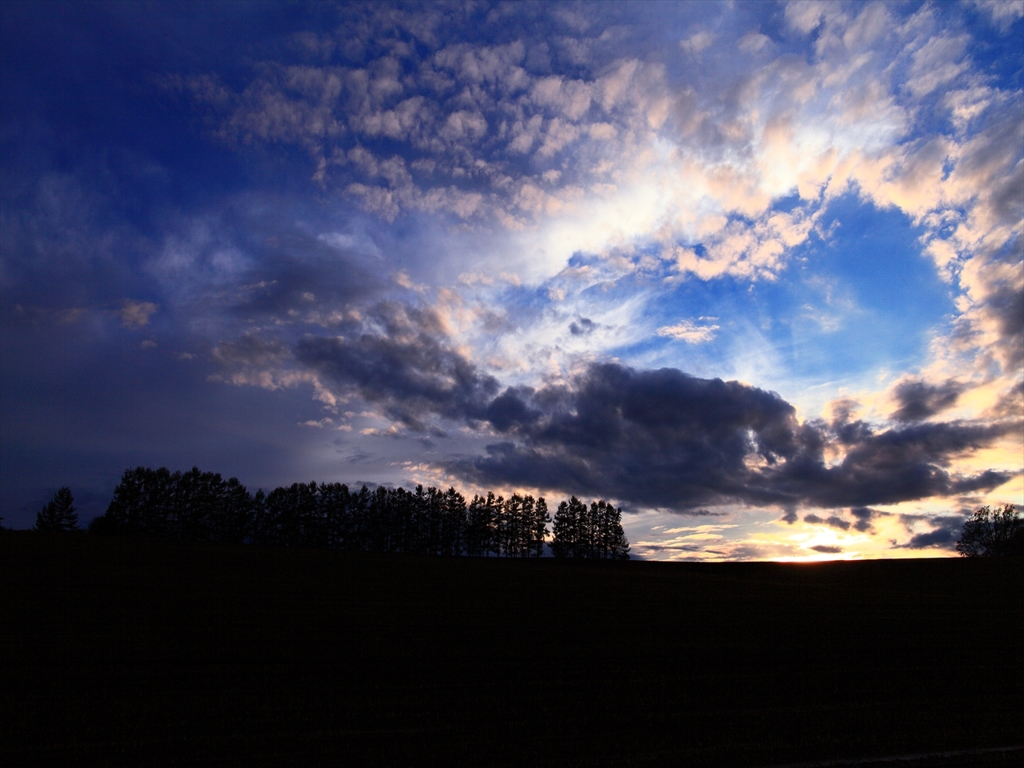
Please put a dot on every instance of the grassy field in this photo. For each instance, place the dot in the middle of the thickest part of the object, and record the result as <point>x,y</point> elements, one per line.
<point>120,652</point>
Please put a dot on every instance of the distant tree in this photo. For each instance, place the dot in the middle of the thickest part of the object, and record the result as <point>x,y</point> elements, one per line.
<point>510,526</point>
<point>453,531</point>
<point>233,522</point>
<point>570,529</point>
<point>432,521</point>
<point>59,514</point>
<point>260,526</point>
<point>193,505</point>
<point>594,533</point>
<point>288,517</point>
<point>610,541</point>
<point>143,503</point>
<point>406,519</point>
<point>482,518</point>
<point>384,508</point>
<point>539,527</point>
<point>993,534</point>
<point>360,510</point>
<point>336,510</point>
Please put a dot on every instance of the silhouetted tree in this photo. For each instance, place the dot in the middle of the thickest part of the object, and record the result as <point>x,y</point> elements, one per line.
<point>143,503</point>
<point>59,514</point>
<point>594,533</point>
<point>569,529</point>
<point>202,506</point>
<point>335,504</point>
<point>258,518</point>
<point>193,505</point>
<point>539,527</point>
<point>993,534</point>
<point>289,517</point>
<point>510,527</point>
<point>380,520</point>
<point>205,508</point>
<point>233,521</point>
<point>359,539</point>
<point>482,524</point>
<point>453,524</point>
<point>609,540</point>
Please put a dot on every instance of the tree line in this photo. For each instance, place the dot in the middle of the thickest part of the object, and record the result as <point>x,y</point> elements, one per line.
<point>202,506</point>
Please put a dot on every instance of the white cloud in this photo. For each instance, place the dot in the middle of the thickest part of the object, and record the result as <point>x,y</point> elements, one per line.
<point>689,332</point>
<point>697,42</point>
<point>937,62</point>
<point>1002,12</point>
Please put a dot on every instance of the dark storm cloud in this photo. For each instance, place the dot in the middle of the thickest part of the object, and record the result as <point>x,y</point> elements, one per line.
<point>832,520</point>
<point>666,439</point>
<point>827,550</point>
<point>864,517</point>
<point>296,271</point>
<point>661,438</point>
<point>918,401</point>
<point>944,537</point>
<point>658,438</point>
<point>402,365</point>
<point>881,467</point>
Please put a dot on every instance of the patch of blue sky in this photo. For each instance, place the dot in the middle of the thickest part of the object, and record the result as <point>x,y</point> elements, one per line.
<point>1002,62</point>
<point>863,300</point>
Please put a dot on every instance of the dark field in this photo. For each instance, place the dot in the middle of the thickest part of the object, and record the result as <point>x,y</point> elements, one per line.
<point>143,652</point>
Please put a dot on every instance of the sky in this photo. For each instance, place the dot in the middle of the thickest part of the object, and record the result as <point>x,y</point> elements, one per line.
<point>752,271</point>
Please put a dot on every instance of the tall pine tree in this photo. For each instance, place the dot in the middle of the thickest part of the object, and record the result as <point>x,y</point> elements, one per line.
<point>59,514</point>
<point>570,521</point>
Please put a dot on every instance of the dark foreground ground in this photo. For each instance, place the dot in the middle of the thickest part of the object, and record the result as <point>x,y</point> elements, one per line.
<point>149,653</point>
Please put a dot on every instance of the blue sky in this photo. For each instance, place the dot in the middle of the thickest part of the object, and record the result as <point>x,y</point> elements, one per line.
<point>751,270</point>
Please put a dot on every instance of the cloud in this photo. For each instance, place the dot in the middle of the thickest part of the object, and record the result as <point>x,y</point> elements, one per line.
<point>944,534</point>
<point>584,327</point>
<point>918,401</point>
<point>697,42</point>
<point>689,332</point>
<point>396,357</point>
<point>1002,13</point>
<point>654,438</point>
<point>753,42</point>
<point>888,466</point>
<point>804,15</point>
<point>833,521</point>
<point>864,516</point>
<point>825,549</point>
<point>136,314</point>
<point>937,62</point>
<point>661,438</point>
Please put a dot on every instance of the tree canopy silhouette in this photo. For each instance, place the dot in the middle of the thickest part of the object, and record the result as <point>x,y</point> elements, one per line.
<point>59,515</point>
<point>594,533</point>
<point>196,506</point>
<point>201,506</point>
<point>993,534</point>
